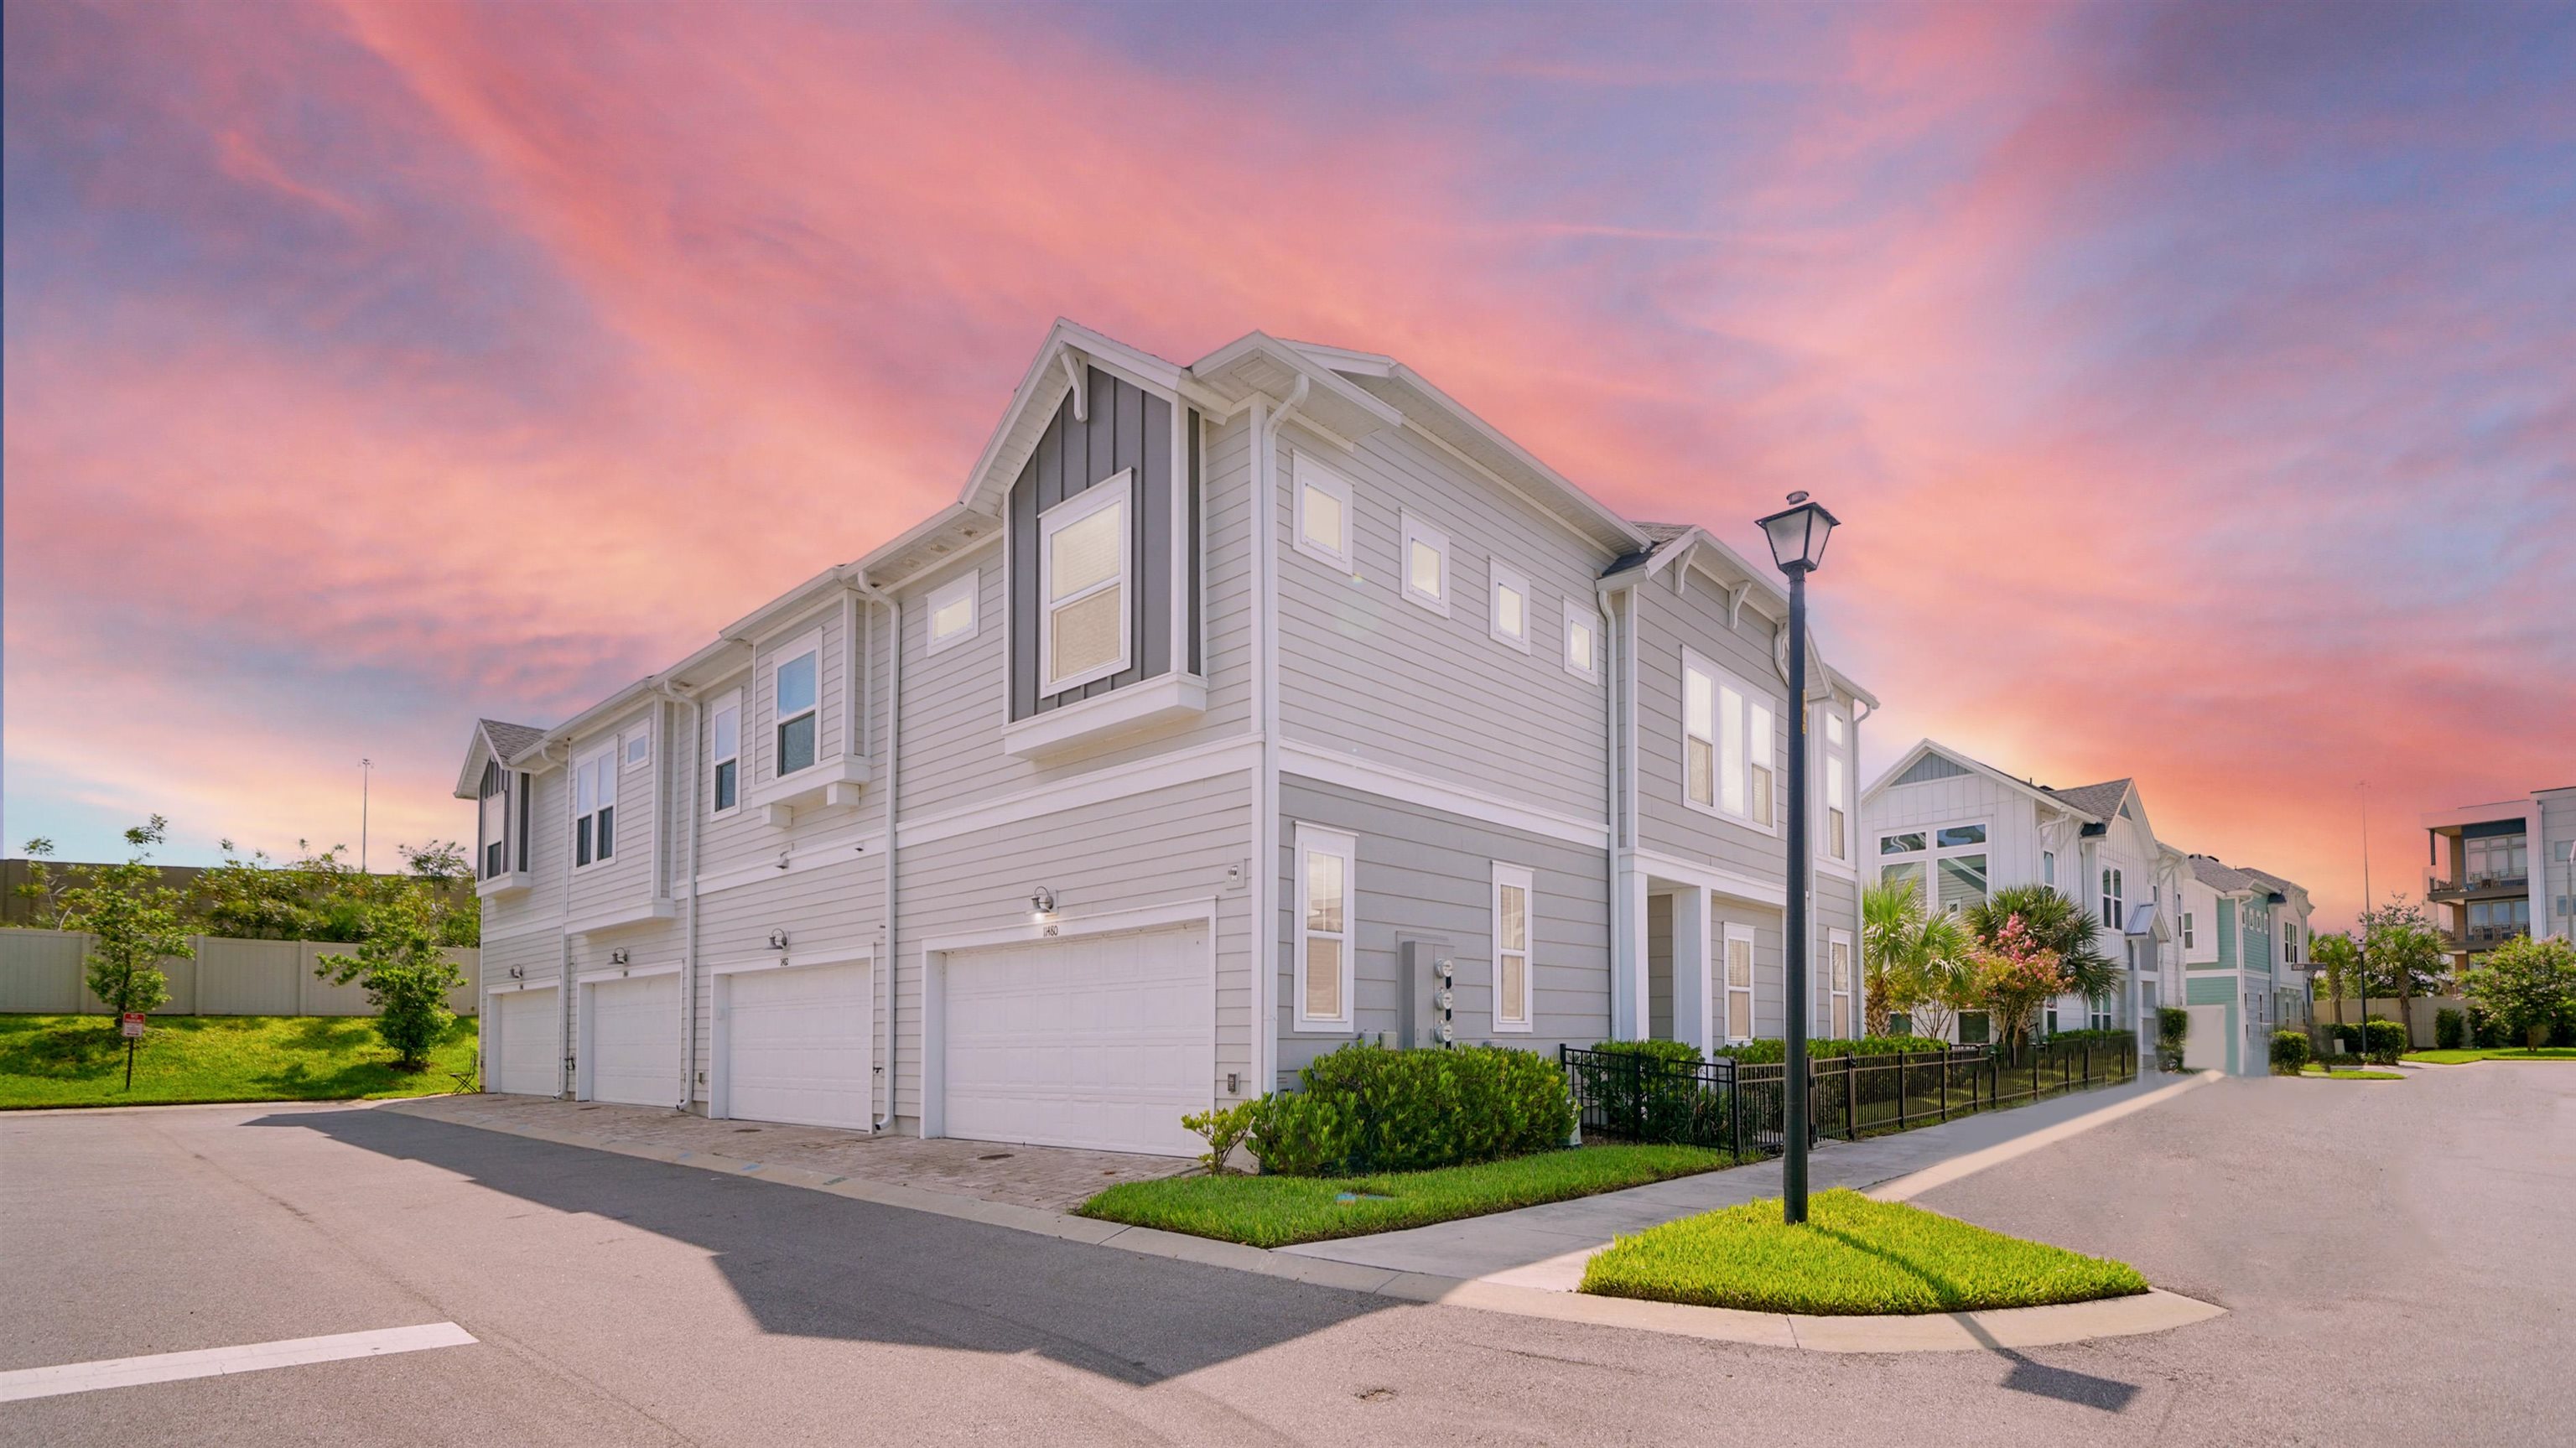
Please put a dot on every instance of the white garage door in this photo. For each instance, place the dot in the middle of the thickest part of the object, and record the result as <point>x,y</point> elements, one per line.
<point>2204,1046</point>
<point>1103,1042</point>
<point>631,1040</point>
<point>522,1055</point>
<point>796,1045</point>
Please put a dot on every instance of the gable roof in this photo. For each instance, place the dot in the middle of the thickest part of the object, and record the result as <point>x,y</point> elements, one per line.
<point>2278,884</point>
<point>499,739</point>
<point>2227,879</point>
<point>2039,792</point>
<point>2101,801</point>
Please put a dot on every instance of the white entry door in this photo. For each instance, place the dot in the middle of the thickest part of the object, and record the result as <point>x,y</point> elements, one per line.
<point>1099,1041</point>
<point>793,1045</point>
<point>521,1052</point>
<point>630,1040</point>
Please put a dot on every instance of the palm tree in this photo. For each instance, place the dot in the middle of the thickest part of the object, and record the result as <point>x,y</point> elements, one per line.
<point>2060,924</point>
<point>1908,959</point>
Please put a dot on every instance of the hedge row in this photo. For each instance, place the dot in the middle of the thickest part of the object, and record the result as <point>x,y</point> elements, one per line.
<point>1368,1108</point>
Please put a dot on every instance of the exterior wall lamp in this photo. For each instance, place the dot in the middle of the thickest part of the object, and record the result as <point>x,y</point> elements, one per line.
<point>1042,902</point>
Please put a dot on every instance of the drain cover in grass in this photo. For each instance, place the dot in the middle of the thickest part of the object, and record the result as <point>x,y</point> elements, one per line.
<point>1852,1256</point>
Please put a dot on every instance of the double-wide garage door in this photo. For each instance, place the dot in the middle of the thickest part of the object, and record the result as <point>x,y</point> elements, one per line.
<point>631,1040</point>
<point>1102,1041</point>
<point>522,1047</point>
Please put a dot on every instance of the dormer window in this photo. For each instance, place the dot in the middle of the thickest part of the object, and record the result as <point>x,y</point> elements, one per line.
<point>797,686</point>
<point>1084,563</point>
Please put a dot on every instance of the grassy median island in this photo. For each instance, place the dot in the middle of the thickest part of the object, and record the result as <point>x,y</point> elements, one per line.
<point>80,1061</point>
<point>1281,1211</point>
<point>1853,1256</point>
<point>2498,1053</point>
<point>2346,1073</point>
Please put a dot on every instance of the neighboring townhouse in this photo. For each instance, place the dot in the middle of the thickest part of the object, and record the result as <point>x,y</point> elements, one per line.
<point>1227,703</point>
<point>1958,829</point>
<point>2245,942</point>
<point>2495,871</point>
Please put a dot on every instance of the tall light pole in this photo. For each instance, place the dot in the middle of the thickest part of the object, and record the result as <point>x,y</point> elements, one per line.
<point>2361,973</point>
<point>1797,535</point>
<point>366,776</point>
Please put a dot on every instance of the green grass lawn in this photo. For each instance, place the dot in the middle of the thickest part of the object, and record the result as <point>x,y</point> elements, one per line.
<point>1275,1211</point>
<point>1853,1255</point>
<point>2320,1073</point>
<point>80,1060</point>
<point>2501,1053</point>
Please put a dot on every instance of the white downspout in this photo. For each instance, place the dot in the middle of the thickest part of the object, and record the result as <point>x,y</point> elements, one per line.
<point>1265,424</point>
<point>689,937</point>
<point>1632,892</point>
<point>564,1079</point>
<point>885,968</point>
<point>1613,714</point>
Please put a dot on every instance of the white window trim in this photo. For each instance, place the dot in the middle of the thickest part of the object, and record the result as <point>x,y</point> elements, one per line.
<point>1118,489</point>
<point>968,586</point>
<point>1727,989</point>
<point>1588,618</point>
<point>1932,853</point>
<point>1838,984</point>
<point>1314,840</point>
<point>1719,681</point>
<point>626,741</point>
<point>1526,880</point>
<point>729,699</point>
<point>1499,576</point>
<point>2188,919</point>
<point>1847,838</point>
<point>572,796</point>
<point>1413,531</point>
<point>809,641</point>
<point>1303,473</point>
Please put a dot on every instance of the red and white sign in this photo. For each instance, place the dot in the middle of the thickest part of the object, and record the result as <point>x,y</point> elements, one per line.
<point>133,1024</point>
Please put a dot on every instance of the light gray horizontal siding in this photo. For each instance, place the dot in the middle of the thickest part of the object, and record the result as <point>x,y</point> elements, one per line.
<point>1697,621</point>
<point>1424,873</point>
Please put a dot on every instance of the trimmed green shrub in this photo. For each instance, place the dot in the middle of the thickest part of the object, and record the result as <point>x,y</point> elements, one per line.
<point>1651,1091</point>
<point>1366,1108</point>
<point>2486,1033</point>
<point>2383,1042</point>
<point>1224,1128</point>
<point>2173,1023</point>
<point>1768,1052</point>
<point>2290,1052</point>
<point>2114,1037</point>
<point>2450,1029</point>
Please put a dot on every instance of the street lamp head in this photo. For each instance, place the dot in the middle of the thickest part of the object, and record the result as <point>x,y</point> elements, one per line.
<point>1798,533</point>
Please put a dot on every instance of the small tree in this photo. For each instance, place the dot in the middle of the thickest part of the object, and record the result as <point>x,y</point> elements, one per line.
<point>2401,955</point>
<point>2528,986</point>
<point>1909,960</point>
<point>2014,975</point>
<point>2058,924</point>
<point>135,922</point>
<point>2338,961</point>
<point>398,962</point>
<point>444,867</point>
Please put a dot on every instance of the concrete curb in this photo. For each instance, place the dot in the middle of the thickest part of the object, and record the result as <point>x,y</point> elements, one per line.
<point>2155,1310</point>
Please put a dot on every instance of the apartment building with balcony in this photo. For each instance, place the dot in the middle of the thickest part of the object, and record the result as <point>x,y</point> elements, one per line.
<point>2493,872</point>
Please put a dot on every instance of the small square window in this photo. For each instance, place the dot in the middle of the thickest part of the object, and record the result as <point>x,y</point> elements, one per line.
<point>1582,640</point>
<point>639,747</point>
<point>1511,600</point>
<point>953,612</point>
<point>1323,522</point>
<point>1426,566</point>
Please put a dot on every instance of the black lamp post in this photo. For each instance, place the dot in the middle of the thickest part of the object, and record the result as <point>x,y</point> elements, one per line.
<point>1798,535</point>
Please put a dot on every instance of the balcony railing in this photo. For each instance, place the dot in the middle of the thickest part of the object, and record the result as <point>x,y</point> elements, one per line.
<point>2484,937</point>
<point>2467,886</point>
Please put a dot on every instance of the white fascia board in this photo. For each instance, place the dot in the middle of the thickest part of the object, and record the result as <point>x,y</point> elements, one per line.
<point>1045,384</point>
<point>1616,529</point>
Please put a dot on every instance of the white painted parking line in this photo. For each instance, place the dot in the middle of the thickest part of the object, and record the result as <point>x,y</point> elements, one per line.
<point>217,1361</point>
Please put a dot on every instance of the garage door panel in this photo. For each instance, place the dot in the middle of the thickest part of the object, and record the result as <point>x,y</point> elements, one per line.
<point>634,1038</point>
<point>1103,1042</point>
<point>527,1059</point>
<point>797,1044</point>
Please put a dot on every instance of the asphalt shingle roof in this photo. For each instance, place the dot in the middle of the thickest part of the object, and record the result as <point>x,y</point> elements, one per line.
<point>2208,870</point>
<point>2101,801</point>
<point>512,740</point>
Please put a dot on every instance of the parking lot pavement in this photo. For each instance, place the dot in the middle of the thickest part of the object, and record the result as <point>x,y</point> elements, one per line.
<point>614,1300</point>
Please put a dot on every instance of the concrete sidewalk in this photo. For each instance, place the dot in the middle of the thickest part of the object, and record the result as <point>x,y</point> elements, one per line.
<point>1546,1247</point>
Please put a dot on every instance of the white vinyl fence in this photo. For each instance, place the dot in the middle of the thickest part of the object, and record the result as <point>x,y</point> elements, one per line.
<point>41,974</point>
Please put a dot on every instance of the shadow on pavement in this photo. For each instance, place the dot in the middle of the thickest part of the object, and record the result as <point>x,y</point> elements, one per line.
<point>810,1264</point>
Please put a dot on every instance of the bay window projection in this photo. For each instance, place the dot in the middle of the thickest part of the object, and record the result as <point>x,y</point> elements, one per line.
<point>594,806</point>
<point>1083,567</point>
<point>1729,754</point>
<point>1323,962</point>
<point>1512,990</point>
<point>724,729</point>
<point>1946,866</point>
<point>796,684</point>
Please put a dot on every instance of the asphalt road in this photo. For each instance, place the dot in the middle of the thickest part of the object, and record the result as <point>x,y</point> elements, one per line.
<point>2398,1261</point>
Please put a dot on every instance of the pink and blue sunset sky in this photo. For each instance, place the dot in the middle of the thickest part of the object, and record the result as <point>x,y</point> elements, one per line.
<point>2197,384</point>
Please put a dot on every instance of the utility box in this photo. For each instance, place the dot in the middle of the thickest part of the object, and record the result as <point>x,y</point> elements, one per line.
<point>1423,969</point>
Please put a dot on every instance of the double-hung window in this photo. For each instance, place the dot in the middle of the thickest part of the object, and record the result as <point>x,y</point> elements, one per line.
<point>953,612</point>
<point>1323,513</point>
<point>594,808</point>
<point>1838,976</point>
<point>1729,749</point>
<point>2111,912</point>
<point>1511,605</point>
<point>2186,930</point>
<point>724,751</point>
<point>2289,945</point>
<point>797,698</point>
<point>1086,556</point>
<point>2048,868</point>
<point>1325,861</point>
<point>1837,786</point>
<point>1426,565</point>
<point>1739,983</point>
<point>1582,640</point>
<point>1513,895</point>
<point>495,819</point>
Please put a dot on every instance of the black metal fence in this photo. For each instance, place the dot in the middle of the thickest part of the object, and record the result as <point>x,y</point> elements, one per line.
<point>1742,1107</point>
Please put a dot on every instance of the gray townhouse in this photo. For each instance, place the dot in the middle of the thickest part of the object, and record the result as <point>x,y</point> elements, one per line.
<point>1227,704</point>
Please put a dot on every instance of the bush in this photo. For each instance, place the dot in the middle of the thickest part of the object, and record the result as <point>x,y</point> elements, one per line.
<point>2449,1029</point>
<point>1651,1091</point>
<point>2383,1041</point>
<point>1224,1128</point>
<point>1366,1108</point>
<point>1770,1052</point>
<point>2088,1037</point>
<point>2173,1023</point>
<point>2290,1052</point>
<point>2485,1031</point>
